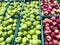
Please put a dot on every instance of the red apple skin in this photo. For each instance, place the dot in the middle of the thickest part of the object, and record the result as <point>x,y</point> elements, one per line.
<point>46,32</point>
<point>46,43</point>
<point>56,31</point>
<point>47,28</point>
<point>48,38</point>
<point>53,18</point>
<point>53,35</point>
<point>51,43</point>
<point>58,37</point>
<point>55,42</point>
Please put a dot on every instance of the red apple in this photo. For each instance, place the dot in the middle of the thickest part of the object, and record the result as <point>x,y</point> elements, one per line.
<point>46,43</point>
<point>56,31</point>
<point>48,38</point>
<point>51,43</point>
<point>55,42</point>
<point>58,37</point>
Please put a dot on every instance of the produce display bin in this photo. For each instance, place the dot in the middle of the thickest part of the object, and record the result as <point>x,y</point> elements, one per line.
<point>40,36</point>
<point>43,17</point>
<point>48,14</point>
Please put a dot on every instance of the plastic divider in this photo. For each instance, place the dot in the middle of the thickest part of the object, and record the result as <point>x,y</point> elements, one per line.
<point>16,31</point>
<point>5,9</point>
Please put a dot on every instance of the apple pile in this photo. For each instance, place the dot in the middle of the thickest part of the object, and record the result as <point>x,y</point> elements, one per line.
<point>14,9</point>
<point>52,31</point>
<point>30,29</point>
<point>7,29</point>
<point>49,7</point>
<point>2,7</point>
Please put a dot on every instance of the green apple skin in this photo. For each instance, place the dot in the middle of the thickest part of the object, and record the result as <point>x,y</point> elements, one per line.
<point>5,34</point>
<point>1,33</point>
<point>1,39</point>
<point>7,44</point>
<point>20,34</point>
<point>10,32</point>
<point>17,44</point>
<point>8,40</point>
<point>18,40</point>
<point>24,40</point>
<point>3,43</point>
<point>29,36</point>
<point>38,26</point>
<point>34,37</point>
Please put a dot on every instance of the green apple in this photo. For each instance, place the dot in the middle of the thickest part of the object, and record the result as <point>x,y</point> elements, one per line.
<point>38,26</point>
<point>20,34</point>
<point>31,19</point>
<point>34,37</point>
<point>5,34</point>
<point>8,40</point>
<point>1,17</point>
<point>10,20</point>
<point>38,32</point>
<point>10,32</point>
<point>24,40</point>
<point>29,44</point>
<point>14,24</point>
<point>29,36</point>
<point>20,29</point>
<point>5,23</point>
<point>7,44</point>
<point>9,27</point>
<point>1,28</point>
<point>1,33</point>
<point>31,32</point>
<point>15,20</point>
<point>3,43</point>
<point>24,33</point>
<point>5,28</point>
<point>30,41</point>
<point>28,23</point>
<point>24,17</point>
<point>21,44</point>
<point>21,24</point>
<point>14,28</point>
<point>18,40</point>
<point>35,42</point>
<point>37,17</point>
<point>32,27</point>
<point>35,23</point>
<point>32,16</point>
<point>39,41</point>
<point>11,36</point>
<point>1,39</point>
<point>27,19</point>
<point>23,21</point>
<point>24,26</point>
<point>17,44</point>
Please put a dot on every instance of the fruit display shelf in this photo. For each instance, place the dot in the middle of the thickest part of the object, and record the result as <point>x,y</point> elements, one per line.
<point>51,30</point>
<point>29,32</point>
